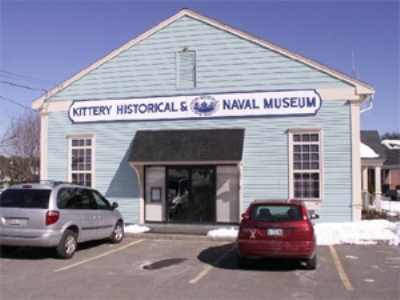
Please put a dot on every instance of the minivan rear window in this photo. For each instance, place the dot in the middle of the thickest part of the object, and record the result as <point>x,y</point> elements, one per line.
<point>276,213</point>
<point>25,198</point>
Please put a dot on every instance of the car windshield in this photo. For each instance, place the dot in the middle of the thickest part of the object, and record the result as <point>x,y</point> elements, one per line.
<point>276,213</point>
<point>26,198</point>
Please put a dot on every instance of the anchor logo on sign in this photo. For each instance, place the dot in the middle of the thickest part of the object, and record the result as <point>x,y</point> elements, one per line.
<point>252,233</point>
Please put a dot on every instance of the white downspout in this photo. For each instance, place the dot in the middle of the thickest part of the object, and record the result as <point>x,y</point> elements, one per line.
<point>371,98</point>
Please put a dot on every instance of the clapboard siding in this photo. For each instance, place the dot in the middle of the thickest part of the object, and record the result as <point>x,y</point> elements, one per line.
<point>225,62</point>
<point>265,156</point>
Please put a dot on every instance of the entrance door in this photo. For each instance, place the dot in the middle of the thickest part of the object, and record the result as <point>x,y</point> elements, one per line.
<point>191,194</point>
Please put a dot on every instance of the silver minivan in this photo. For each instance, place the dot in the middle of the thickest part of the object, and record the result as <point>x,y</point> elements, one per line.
<point>56,215</point>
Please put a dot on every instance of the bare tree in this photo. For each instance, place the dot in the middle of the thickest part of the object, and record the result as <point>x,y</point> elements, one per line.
<point>21,144</point>
<point>391,136</point>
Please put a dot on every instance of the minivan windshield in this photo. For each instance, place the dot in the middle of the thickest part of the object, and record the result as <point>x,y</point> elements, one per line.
<point>25,198</point>
<point>276,213</point>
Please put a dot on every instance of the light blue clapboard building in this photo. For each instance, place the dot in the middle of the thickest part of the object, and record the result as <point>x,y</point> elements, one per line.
<point>192,120</point>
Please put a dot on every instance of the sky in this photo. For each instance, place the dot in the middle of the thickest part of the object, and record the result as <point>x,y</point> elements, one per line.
<point>43,43</point>
<point>366,232</point>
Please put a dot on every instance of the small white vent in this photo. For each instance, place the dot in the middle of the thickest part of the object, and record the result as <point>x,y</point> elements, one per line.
<point>186,69</point>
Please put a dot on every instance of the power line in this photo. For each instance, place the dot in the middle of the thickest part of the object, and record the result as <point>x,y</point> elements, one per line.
<point>16,103</point>
<point>22,86</point>
<point>28,78</point>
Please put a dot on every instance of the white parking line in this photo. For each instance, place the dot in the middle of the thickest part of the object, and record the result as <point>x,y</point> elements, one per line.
<point>97,257</point>
<point>209,268</point>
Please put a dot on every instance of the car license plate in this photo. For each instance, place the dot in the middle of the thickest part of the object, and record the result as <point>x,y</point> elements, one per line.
<point>15,222</point>
<point>275,232</point>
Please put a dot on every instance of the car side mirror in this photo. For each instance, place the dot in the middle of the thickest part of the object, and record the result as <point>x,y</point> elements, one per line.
<point>114,205</point>
<point>244,216</point>
<point>314,216</point>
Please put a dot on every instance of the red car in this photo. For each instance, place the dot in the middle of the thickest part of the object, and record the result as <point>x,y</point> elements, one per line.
<point>277,229</point>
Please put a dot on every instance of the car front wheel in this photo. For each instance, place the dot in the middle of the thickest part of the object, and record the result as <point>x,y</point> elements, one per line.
<point>118,233</point>
<point>68,244</point>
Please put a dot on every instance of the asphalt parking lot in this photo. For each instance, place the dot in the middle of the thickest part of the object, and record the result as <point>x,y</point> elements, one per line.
<point>179,269</point>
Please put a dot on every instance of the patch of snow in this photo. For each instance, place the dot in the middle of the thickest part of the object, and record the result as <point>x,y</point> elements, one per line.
<point>367,152</point>
<point>136,229</point>
<point>391,207</point>
<point>223,232</point>
<point>367,232</point>
<point>391,144</point>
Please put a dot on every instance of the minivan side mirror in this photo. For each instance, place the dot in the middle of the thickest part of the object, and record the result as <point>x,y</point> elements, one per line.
<point>114,205</point>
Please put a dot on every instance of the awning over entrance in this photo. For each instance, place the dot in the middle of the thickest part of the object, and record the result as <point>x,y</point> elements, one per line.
<point>187,145</point>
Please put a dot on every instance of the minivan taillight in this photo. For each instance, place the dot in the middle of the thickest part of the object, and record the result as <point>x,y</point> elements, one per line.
<point>52,217</point>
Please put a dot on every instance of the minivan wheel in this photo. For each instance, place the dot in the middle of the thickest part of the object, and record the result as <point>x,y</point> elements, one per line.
<point>118,233</point>
<point>311,263</point>
<point>7,250</point>
<point>68,244</point>
<point>241,262</point>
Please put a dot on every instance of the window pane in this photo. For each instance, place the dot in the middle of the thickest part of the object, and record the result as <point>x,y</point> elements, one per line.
<point>297,166</point>
<point>306,166</point>
<point>314,148</point>
<point>87,167</point>
<point>297,157</point>
<point>305,148</point>
<point>315,166</point>
<point>315,176</point>
<point>74,143</point>
<point>314,137</point>
<point>88,142</point>
<point>305,137</point>
<point>81,142</point>
<point>314,156</point>
<point>306,157</point>
<point>296,148</point>
<point>296,137</point>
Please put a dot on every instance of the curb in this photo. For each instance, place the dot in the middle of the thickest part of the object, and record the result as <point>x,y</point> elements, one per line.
<point>185,237</point>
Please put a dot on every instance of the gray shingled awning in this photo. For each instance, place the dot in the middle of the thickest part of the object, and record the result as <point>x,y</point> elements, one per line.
<point>187,145</point>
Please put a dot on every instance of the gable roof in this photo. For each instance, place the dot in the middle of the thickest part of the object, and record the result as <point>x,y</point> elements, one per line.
<point>362,88</point>
<point>371,139</point>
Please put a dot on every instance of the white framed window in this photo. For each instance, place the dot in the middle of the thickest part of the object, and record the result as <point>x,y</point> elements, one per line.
<point>81,159</point>
<point>306,164</point>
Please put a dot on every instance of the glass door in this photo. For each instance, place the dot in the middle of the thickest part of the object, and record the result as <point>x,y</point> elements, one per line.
<point>191,194</point>
<point>203,195</point>
<point>178,194</point>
